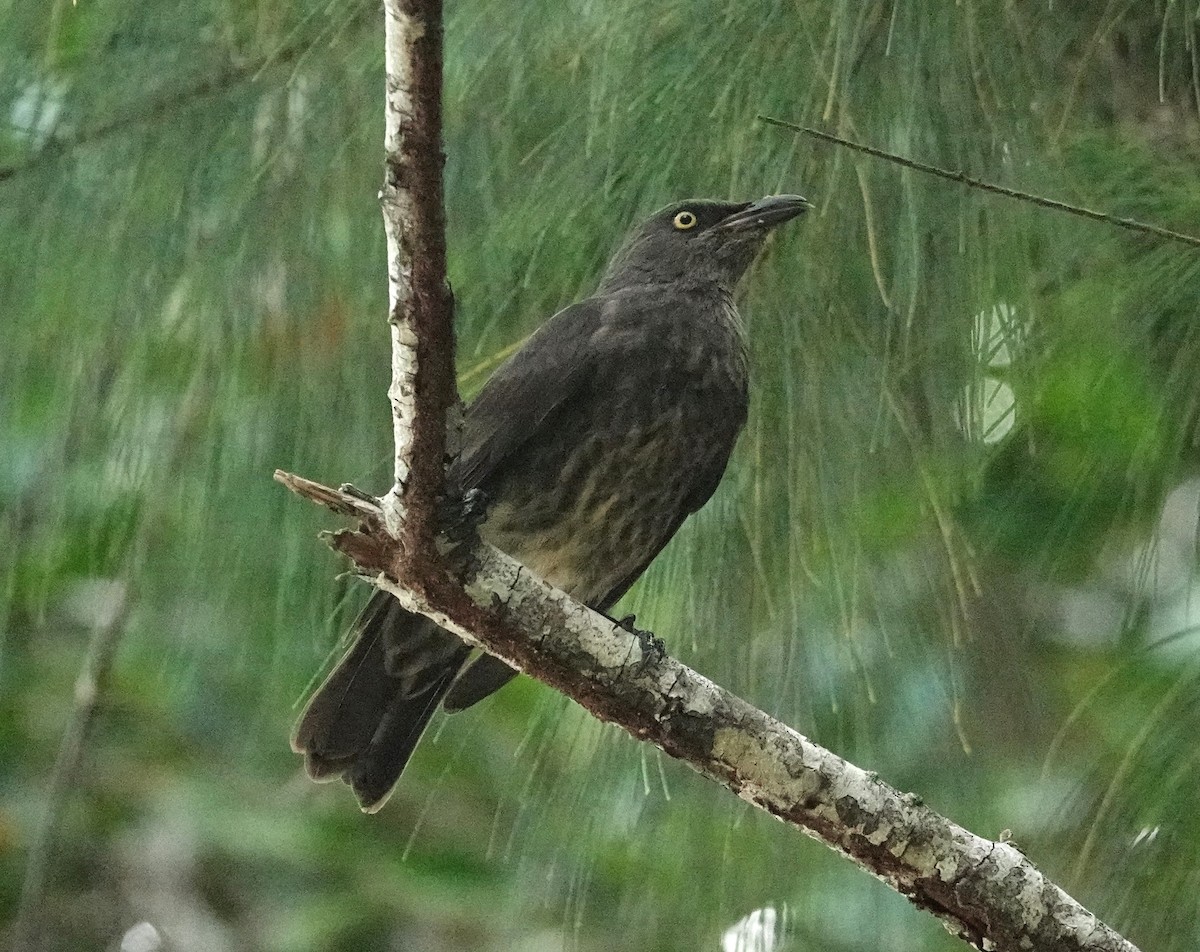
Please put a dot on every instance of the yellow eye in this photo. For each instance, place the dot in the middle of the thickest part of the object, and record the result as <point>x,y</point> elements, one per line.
<point>685,220</point>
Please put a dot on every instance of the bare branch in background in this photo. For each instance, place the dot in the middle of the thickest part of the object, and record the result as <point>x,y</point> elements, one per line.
<point>1130,224</point>
<point>112,609</point>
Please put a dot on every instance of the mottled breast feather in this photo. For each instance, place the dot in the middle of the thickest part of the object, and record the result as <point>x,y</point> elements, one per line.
<point>610,426</point>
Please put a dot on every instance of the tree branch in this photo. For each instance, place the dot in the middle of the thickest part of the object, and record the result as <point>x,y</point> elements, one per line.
<point>1130,224</point>
<point>421,310</point>
<point>985,892</point>
<point>167,106</point>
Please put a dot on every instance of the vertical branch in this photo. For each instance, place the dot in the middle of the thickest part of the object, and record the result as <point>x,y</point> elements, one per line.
<point>90,687</point>
<point>420,307</point>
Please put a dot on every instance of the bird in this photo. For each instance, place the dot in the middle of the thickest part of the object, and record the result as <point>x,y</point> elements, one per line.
<point>591,445</point>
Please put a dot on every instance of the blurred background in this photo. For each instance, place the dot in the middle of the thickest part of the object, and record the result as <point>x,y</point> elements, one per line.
<point>957,543</point>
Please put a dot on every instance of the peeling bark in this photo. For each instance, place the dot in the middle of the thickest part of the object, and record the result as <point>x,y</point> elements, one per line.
<point>420,306</point>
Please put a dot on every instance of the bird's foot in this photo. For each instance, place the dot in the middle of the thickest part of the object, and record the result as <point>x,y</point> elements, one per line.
<point>460,518</point>
<point>351,490</point>
<point>653,649</point>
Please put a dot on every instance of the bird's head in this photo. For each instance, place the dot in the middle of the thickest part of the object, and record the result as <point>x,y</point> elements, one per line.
<point>698,242</point>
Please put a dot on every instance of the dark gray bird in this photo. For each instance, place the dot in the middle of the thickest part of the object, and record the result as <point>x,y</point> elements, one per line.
<point>591,444</point>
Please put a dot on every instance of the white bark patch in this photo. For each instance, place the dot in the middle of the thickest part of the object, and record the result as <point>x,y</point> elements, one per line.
<point>400,32</point>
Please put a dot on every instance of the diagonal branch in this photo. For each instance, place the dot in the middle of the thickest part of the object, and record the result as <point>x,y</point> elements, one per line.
<point>166,106</point>
<point>1130,224</point>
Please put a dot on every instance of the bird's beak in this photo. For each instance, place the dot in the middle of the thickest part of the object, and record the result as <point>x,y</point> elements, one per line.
<point>766,213</point>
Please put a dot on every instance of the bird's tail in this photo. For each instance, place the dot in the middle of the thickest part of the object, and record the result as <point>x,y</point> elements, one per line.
<point>364,721</point>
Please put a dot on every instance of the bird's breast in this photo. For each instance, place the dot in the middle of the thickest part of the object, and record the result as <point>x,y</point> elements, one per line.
<point>603,485</point>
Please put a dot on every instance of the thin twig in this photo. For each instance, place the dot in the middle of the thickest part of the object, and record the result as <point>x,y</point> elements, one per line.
<point>145,113</point>
<point>346,501</point>
<point>962,178</point>
<point>90,687</point>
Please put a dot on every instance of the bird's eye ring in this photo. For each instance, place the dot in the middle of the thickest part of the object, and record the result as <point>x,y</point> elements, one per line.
<point>685,220</point>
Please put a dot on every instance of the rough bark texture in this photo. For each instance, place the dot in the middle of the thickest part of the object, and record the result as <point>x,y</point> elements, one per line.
<point>421,310</point>
<point>986,892</point>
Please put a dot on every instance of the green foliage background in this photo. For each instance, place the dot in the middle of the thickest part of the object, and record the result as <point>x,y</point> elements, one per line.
<point>192,293</point>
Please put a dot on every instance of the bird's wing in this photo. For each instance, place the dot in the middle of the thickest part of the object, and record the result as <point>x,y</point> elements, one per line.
<point>552,367</point>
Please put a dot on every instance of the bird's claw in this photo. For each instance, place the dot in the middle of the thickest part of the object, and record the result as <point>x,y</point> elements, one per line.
<point>475,505</point>
<point>653,649</point>
<point>460,518</point>
<point>350,489</point>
